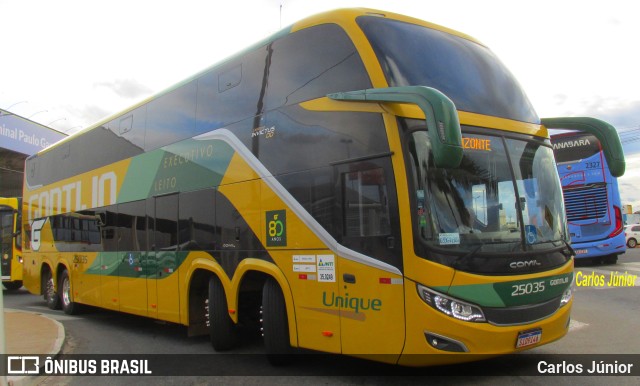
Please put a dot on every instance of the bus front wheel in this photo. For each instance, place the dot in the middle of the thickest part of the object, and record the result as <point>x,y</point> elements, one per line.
<point>275,325</point>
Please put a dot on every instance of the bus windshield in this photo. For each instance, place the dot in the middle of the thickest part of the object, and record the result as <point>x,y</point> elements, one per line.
<point>6,229</point>
<point>467,72</point>
<point>504,197</point>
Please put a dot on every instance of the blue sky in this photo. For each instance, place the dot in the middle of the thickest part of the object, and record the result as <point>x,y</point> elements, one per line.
<point>70,63</point>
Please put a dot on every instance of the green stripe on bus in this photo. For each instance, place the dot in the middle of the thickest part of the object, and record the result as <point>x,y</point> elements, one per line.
<point>187,165</point>
<point>140,176</point>
<point>159,265</point>
<point>513,293</point>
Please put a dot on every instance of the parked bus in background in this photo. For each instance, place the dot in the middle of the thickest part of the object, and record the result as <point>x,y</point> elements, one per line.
<point>11,242</point>
<point>362,183</point>
<point>591,197</point>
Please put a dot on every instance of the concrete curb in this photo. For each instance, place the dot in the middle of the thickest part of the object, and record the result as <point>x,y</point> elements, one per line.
<point>56,347</point>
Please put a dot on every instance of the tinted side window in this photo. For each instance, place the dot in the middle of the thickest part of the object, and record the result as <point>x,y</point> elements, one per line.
<point>131,226</point>
<point>76,232</point>
<point>366,205</point>
<point>305,144</point>
<point>90,228</point>
<point>315,190</point>
<point>108,220</point>
<point>369,209</point>
<point>171,117</point>
<point>132,126</point>
<point>231,92</point>
<point>93,149</point>
<point>235,233</point>
<point>311,63</point>
<point>166,226</point>
<point>300,139</point>
<point>197,229</point>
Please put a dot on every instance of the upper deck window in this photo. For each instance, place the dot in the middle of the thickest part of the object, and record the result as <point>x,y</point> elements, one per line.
<point>467,72</point>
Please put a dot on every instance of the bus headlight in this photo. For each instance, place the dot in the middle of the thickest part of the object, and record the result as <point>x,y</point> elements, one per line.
<point>451,306</point>
<point>566,296</point>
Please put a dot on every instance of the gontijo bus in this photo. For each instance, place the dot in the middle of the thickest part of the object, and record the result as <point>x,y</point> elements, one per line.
<point>11,242</point>
<point>360,183</point>
<point>591,197</point>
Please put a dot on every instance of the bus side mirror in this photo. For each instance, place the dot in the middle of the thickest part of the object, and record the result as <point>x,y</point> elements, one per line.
<point>606,134</point>
<point>440,113</point>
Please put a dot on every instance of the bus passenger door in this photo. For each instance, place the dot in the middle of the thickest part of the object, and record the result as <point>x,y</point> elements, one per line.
<point>372,315</point>
<point>162,261</point>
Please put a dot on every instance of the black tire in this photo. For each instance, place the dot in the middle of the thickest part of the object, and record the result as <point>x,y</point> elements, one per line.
<point>66,295</point>
<point>49,292</point>
<point>275,325</point>
<point>610,259</point>
<point>12,285</point>
<point>632,243</point>
<point>222,330</point>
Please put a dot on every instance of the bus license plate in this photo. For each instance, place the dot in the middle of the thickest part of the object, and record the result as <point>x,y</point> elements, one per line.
<point>527,338</point>
<point>581,251</point>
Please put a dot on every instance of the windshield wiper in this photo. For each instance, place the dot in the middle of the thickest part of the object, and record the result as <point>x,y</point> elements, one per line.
<point>571,250</point>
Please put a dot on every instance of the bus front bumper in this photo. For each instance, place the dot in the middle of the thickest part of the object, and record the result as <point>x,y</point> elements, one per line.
<point>433,338</point>
<point>613,246</point>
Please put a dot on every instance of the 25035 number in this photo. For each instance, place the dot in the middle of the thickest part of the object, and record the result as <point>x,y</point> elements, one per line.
<point>527,288</point>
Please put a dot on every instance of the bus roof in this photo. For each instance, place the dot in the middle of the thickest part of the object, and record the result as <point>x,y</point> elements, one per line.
<point>342,17</point>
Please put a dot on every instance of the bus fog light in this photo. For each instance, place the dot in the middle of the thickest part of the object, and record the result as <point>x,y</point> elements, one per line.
<point>450,306</point>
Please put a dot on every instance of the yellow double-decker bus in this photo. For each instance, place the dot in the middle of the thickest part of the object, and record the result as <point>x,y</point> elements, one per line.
<point>361,183</point>
<point>11,242</point>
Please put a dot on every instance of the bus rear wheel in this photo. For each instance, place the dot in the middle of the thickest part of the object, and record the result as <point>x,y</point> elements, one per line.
<point>68,306</point>
<point>275,325</point>
<point>50,294</point>
<point>221,328</point>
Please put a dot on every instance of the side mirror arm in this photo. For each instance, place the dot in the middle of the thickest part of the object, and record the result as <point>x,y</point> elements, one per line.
<point>606,134</point>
